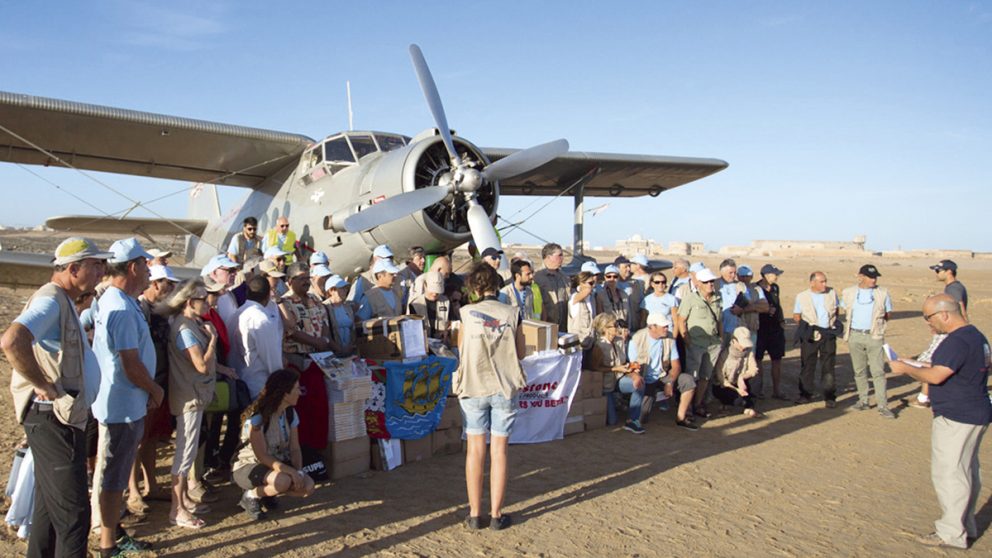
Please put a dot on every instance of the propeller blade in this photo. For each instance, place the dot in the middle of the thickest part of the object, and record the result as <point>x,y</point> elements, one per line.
<point>396,207</point>
<point>525,160</point>
<point>483,233</point>
<point>429,88</point>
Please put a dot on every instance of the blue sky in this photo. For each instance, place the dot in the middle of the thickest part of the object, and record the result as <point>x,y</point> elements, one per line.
<point>837,118</point>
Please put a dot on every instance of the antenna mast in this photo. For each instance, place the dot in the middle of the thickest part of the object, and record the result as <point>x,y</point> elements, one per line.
<point>351,123</point>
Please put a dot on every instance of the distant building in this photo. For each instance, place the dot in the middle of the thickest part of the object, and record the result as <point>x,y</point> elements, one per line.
<point>777,248</point>
<point>686,248</point>
<point>638,245</point>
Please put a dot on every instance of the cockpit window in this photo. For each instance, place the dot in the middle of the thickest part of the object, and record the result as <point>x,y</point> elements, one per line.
<point>389,143</point>
<point>337,150</point>
<point>362,144</point>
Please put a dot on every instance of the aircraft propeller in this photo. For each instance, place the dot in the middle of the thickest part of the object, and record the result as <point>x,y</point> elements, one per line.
<point>463,177</point>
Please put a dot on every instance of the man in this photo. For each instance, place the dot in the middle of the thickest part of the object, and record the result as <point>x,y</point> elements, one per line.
<point>282,238</point>
<point>268,270</point>
<point>741,301</point>
<point>756,303</point>
<point>680,275</point>
<point>493,257</point>
<point>611,298</point>
<point>364,281</point>
<point>958,376</point>
<point>319,258</point>
<point>771,330</point>
<point>816,307</point>
<point>305,326</point>
<point>519,293</point>
<point>220,269</point>
<point>868,307</point>
<point>442,265</point>
<point>554,286</point>
<point>633,288</point>
<point>699,324</point>
<point>318,281</point>
<point>640,270</point>
<point>159,257</point>
<point>947,273</point>
<point>382,300</point>
<point>433,306</point>
<point>654,349</point>
<point>123,346</point>
<point>257,339</point>
<point>54,380</point>
<point>246,243</point>
<point>414,267</point>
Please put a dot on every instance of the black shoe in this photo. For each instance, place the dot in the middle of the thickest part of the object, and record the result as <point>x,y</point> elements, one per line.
<point>473,522</point>
<point>270,503</point>
<point>830,403</point>
<point>687,425</point>
<point>252,506</point>
<point>633,426</point>
<point>500,523</point>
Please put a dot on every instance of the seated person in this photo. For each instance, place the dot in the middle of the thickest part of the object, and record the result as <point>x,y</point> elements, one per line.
<point>733,371</point>
<point>433,306</point>
<point>270,460</point>
<point>608,356</point>
<point>654,349</point>
<point>382,300</point>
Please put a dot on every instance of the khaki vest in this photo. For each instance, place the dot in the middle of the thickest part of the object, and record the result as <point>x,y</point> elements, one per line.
<point>188,389</point>
<point>749,319</point>
<point>309,319</point>
<point>606,355</point>
<point>272,239</point>
<point>581,325</point>
<point>808,309</point>
<point>642,342</point>
<point>878,322</point>
<point>243,251</point>
<point>442,309</point>
<point>530,313</point>
<point>64,369</point>
<point>618,306</point>
<point>488,363</point>
<point>380,306</point>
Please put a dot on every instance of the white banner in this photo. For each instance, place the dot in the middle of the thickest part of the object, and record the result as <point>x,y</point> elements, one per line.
<point>552,380</point>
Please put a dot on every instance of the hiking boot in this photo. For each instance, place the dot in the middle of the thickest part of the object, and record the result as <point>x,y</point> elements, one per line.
<point>634,426</point>
<point>252,506</point>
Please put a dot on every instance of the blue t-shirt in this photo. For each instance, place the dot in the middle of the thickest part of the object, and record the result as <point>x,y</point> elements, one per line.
<point>655,353</point>
<point>728,295</point>
<point>819,306</point>
<point>344,322</point>
<point>964,396</point>
<point>120,325</point>
<point>659,304</point>
<point>232,248</point>
<point>864,302</point>
<point>186,339</point>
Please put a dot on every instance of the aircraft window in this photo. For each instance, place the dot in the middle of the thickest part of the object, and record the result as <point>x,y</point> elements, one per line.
<point>362,144</point>
<point>389,143</point>
<point>337,150</point>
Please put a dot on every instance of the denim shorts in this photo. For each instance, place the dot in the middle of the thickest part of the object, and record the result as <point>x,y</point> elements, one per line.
<point>492,414</point>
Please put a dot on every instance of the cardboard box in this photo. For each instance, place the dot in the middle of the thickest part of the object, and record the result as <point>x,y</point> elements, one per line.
<point>575,425</point>
<point>575,408</point>
<point>452,415</point>
<point>399,338</point>
<point>595,422</point>
<point>417,450</point>
<point>586,388</point>
<point>349,468</point>
<point>539,336</point>
<point>446,442</point>
<point>595,406</point>
<point>347,450</point>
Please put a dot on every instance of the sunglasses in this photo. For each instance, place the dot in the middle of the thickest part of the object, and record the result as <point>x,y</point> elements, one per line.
<point>612,276</point>
<point>249,228</point>
<point>283,226</point>
<point>926,318</point>
<point>659,282</point>
<point>591,283</point>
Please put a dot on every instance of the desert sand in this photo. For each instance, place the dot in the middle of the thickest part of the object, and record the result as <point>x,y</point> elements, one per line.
<point>803,481</point>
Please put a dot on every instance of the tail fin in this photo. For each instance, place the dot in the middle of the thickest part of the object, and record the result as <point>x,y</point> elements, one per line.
<point>204,204</point>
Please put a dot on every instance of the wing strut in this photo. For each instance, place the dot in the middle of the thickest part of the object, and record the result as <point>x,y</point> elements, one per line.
<point>578,194</point>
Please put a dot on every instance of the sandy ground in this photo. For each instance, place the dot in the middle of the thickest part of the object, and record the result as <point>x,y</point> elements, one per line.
<point>804,481</point>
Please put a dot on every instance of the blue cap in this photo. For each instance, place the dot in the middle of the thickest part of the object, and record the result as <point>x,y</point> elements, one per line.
<point>273,252</point>
<point>127,250</point>
<point>745,271</point>
<point>612,269</point>
<point>335,282</point>
<point>318,258</point>
<point>320,271</point>
<point>385,265</point>
<point>591,267</point>
<point>382,251</point>
<point>217,262</point>
<point>697,267</point>
<point>640,259</point>
<point>769,268</point>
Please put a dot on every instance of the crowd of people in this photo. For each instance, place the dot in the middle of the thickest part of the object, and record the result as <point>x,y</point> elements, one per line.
<point>116,353</point>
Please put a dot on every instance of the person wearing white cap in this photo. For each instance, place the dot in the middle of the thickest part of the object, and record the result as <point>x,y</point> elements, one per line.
<point>734,370</point>
<point>305,326</point>
<point>341,315</point>
<point>282,238</point>
<point>246,243</point>
<point>53,382</point>
<point>757,304</point>
<point>433,306</point>
<point>319,258</point>
<point>699,323</point>
<point>382,300</point>
<point>278,256</point>
<point>365,281</point>
<point>554,285</point>
<point>591,267</point>
<point>582,309</point>
<point>611,298</point>
<point>123,346</point>
<point>640,269</point>
<point>275,278</point>
<point>318,281</point>
<point>654,350</point>
<point>222,270</point>
<point>740,307</point>
<point>159,257</point>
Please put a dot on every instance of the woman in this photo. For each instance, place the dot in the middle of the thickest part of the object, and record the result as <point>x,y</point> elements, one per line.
<point>341,316</point>
<point>487,381</point>
<point>608,356</point>
<point>192,354</point>
<point>582,308</point>
<point>658,300</point>
<point>270,461</point>
<point>734,368</point>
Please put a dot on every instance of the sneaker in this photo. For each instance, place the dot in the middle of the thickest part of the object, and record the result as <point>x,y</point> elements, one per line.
<point>803,399</point>
<point>128,543</point>
<point>687,425</point>
<point>886,413</point>
<point>473,522</point>
<point>252,506</point>
<point>860,406</point>
<point>830,403</point>
<point>500,523</point>
<point>919,404</point>
<point>933,539</point>
<point>115,552</point>
<point>270,503</point>
<point>633,426</point>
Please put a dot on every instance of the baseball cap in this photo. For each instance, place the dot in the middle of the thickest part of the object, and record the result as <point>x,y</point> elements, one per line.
<point>640,259</point>
<point>77,248</point>
<point>335,282</point>
<point>273,252</point>
<point>659,319</point>
<point>705,276</point>
<point>492,253</point>
<point>744,270</point>
<point>612,269</point>
<point>126,250</point>
<point>434,282</point>
<point>697,267</point>
<point>769,268</point>
<point>868,270</point>
<point>217,262</point>
<point>318,258</point>
<point>385,265</point>
<point>321,271</point>
<point>382,251</point>
<point>156,253</point>
<point>743,336</point>
<point>591,267</point>
<point>268,267</point>
<point>212,285</point>
<point>945,265</point>
<point>157,272</point>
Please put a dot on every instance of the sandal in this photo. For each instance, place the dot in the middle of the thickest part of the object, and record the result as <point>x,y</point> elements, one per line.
<point>191,522</point>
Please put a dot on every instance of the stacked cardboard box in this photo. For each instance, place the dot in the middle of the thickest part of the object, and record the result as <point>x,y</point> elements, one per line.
<point>399,338</point>
<point>539,336</point>
<point>417,450</point>
<point>348,457</point>
<point>447,438</point>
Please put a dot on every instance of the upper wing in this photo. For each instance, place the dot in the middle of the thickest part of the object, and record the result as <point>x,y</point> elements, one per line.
<point>612,174</point>
<point>109,139</point>
<point>130,225</point>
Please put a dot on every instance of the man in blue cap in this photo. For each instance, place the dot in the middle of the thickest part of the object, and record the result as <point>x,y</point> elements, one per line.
<point>123,346</point>
<point>771,330</point>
